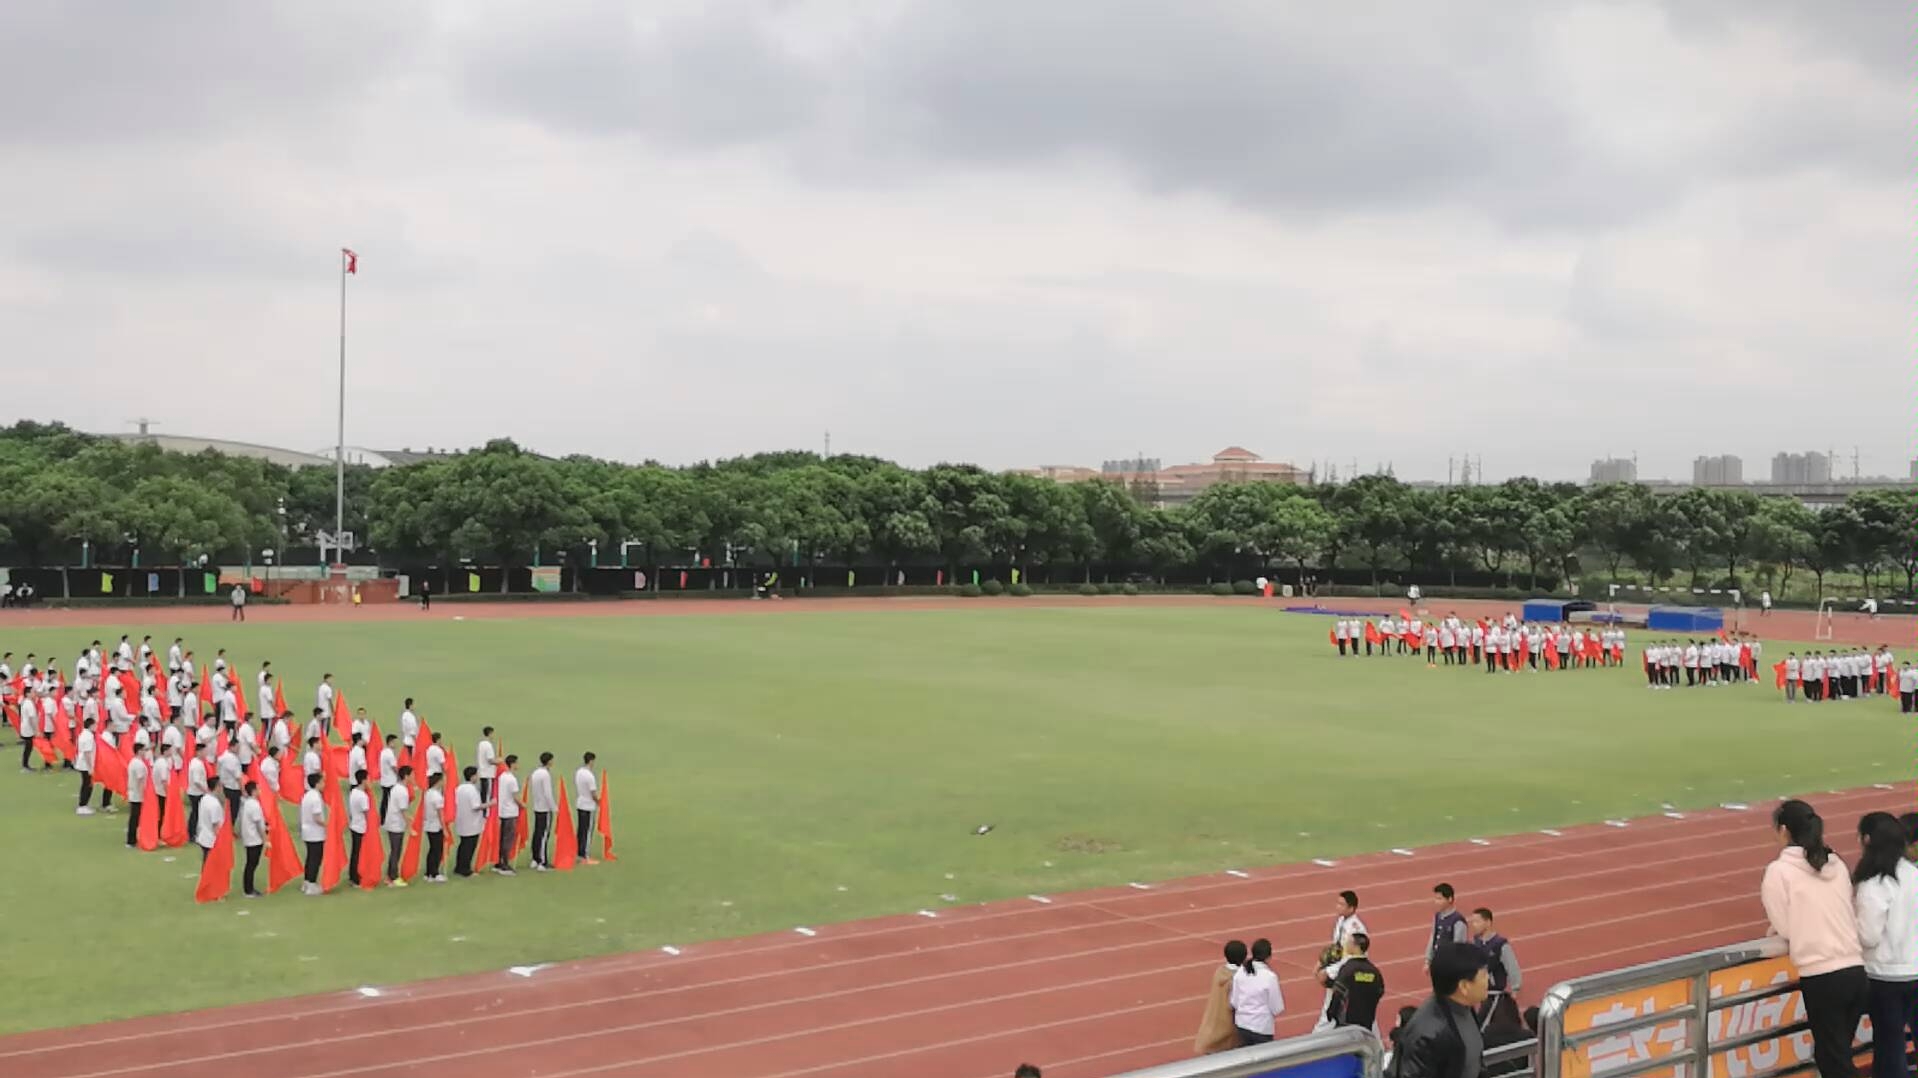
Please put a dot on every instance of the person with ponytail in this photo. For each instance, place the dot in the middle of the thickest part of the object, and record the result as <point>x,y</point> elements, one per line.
<point>1808,900</point>
<point>1215,1026</point>
<point>1256,1000</point>
<point>1886,887</point>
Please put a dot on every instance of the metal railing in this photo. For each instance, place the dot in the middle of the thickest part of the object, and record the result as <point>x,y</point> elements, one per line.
<point>1710,1012</point>
<point>1320,1052</point>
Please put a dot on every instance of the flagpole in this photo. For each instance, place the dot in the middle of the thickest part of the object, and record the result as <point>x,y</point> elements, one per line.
<point>339,445</point>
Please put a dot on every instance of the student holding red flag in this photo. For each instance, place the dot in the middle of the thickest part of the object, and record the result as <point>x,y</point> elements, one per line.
<point>333,857</point>
<point>388,773</point>
<point>216,857</point>
<point>359,806</point>
<point>393,805</point>
<point>282,860</point>
<point>544,804</point>
<point>506,806</point>
<point>213,827</point>
<point>313,833</point>
<point>253,827</point>
<point>367,856</point>
<point>469,819</point>
<point>586,802</point>
<point>173,829</point>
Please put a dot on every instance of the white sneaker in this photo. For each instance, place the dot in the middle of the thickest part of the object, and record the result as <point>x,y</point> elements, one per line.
<point>505,872</point>
<point>537,867</point>
<point>83,810</point>
<point>110,810</point>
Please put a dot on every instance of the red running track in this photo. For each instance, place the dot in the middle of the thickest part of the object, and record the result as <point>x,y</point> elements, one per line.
<point>1084,984</point>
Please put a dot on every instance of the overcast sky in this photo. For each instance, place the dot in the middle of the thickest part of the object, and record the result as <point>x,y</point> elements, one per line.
<point>1006,231</point>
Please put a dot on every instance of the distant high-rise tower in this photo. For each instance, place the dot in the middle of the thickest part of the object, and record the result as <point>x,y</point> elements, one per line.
<point>1614,470</point>
<point>1801,468</point>
<point>1721,471</point>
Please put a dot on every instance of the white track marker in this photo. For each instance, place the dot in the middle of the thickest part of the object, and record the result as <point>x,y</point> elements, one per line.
<point>1554,834</point>
<point>456,939</point>
<point>950,898</point>
<point>1674,815</point>
<point>1140,886</point>
<point>1735,806</point>
<point>927,913</point>
<point>1616,823</point>
<point>1401,851</point>
<point>805,931</point>
<point>1305,834</point>
<point>169,860</point>
<point>368,992</point>
<point>1481,842</point>
<point>842,888</point>
<point>1323,863</point>
<point>1239,874</point>
<point>525,971</point>
<point>674,951</point>
<point>459,617</point>
<point>1040,899</point>
<point>1881,786</point>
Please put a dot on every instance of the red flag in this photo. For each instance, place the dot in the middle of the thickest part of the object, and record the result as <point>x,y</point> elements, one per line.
<point>150,809</point>
<point>604,824</point>
<point>488,852</point>
<point>375,744</point>
<point>1404,615</point>
<point>130,693</point>
<point>372,855</point>
<point>240,709</point>
<point>283,864</point>
<point>421,742</point>
<point>206,689</point>
<point>279,698</point>
<point>519,833</point>
<point>46,747</point>
<point>565,842</point>
<point>216,875</point>
<point>450,783</point>
<point>293,779</point>
<point>1724,636</point>
<point>1826,691</point>
<point>1551,656</point>
<point>1372,634</point>
<point>333,861</point>
<point>1332,637</point>
<point>1778,672</point>
<point>109,767</point>
<point>410,853</point>
<point>352,261</point>
<point>174,833</point>
<point>63,737</point>
<point>342,719</point>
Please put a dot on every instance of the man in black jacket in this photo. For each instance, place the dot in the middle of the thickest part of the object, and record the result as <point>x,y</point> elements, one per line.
<point>1357,987</point>
<point>1442,1040</point>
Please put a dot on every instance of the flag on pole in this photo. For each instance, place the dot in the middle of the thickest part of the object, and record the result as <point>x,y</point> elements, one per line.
<point>565,842</point>
<point>149,831</point>
<point>352,261</point>
<point>216,872</point>
<point>605,822</point>
<point>283,864</point>
<point>173,831</point>
<point>410,851</point>
<point>372,857</point>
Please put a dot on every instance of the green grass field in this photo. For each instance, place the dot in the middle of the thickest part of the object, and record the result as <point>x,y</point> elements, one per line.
<point>811,767</point>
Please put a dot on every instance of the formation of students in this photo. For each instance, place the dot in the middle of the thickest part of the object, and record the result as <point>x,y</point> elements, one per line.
<point>1723,661</point>
<point>1847,675</point>
<point>194,764</point>
<point>1504,644</point>
<point>1245,1001</point>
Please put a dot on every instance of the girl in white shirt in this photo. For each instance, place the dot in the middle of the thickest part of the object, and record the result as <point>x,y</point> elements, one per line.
<point>1255,997</point>
<point>434,811</point>
<point>1885,892</point>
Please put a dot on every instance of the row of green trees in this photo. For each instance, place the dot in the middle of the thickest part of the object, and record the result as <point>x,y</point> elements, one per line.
<point>500,504</point>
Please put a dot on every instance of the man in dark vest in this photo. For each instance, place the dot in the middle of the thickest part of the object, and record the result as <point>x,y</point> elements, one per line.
<point>1448,924</point>
<point>1507,978</point>
<point>1358,986</point>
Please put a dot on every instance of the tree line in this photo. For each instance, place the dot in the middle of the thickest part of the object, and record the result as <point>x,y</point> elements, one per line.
<point>131,503</point>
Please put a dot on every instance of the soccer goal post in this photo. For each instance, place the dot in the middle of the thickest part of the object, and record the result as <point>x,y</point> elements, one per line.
<point>1824,620</point>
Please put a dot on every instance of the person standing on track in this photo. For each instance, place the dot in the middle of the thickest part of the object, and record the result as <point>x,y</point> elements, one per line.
<point>1808,900</point>
<point>1256,999</point>
<point>1216,1033</point>
<point>239,602</point>
<point>1885,892</point>
<point>1448,925</point>
<point>1507,978</point>
<point>1357,987</point>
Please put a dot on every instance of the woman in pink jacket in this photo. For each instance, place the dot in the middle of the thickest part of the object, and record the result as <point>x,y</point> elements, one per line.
<point>1808,900</point>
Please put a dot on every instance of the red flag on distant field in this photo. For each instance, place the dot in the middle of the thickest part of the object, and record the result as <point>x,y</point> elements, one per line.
<point>352,261</point>
<point>342,719</point>
<point>565,841</point>
<point>46,747</point>
<point>488,851</point>
<point>130,693</point>
<point>519,833</point>
<point>1551,656</point>
<point>174,833</point>
<point>216,875</point>
<point>206,689</point>
<point>1332,637</point>
<point>109,767</point>
<point>1778,672</point>
<point>604,823</point>
<point>372,855</point>
<point>1372,634</point>
<point>149,833</point>
<point>418,761</point>
<point>374,744</point>
<point>240,708</point>
<point>293,778</point>
<point>283,864</point>
<point>279,698</point>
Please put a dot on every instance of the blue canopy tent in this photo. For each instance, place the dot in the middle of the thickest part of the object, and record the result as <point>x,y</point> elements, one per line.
<point>1685,619</point>
<point>1547,610</point>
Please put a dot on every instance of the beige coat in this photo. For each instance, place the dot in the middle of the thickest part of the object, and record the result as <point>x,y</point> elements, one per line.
<point>1216,1032</point>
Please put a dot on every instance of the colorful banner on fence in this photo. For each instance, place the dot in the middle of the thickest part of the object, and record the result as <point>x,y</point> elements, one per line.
<point>546,579</point>
<point>1597,1057</point>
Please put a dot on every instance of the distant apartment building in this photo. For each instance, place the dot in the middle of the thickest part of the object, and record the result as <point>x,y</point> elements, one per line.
<point>1720,471</point>
<point>1614,470</point>
<point>1801,468</point>
<point>1914,470</point>
<point>1179,484</point>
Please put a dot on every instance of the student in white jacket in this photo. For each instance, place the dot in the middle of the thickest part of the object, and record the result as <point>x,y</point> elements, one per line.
<point>212,815</point>
<point>585,802</point>
<point>252,835</point>
<point>1885,891</point>
<point>313,833</point>
<point>540,798</point>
